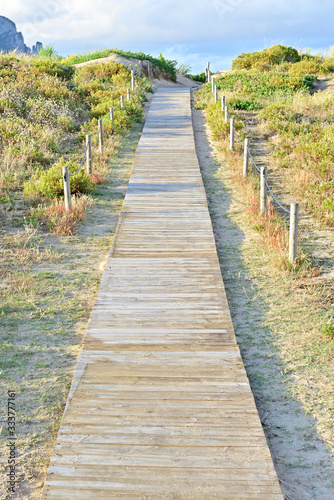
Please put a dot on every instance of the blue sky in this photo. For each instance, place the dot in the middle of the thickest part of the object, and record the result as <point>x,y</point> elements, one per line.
<point>192,32</point>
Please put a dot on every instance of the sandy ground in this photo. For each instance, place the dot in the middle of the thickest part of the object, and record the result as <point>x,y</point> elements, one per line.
<point>323,85</point>
<point>302,460</point>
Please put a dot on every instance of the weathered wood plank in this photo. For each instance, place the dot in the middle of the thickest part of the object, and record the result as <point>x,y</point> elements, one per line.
<point>160,405</point>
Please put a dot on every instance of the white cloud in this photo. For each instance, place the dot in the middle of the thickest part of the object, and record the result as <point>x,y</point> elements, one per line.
<point>169,21</point>
<point>81,24</point>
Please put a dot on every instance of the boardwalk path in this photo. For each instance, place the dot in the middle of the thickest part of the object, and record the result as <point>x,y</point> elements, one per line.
<point>160,405</point>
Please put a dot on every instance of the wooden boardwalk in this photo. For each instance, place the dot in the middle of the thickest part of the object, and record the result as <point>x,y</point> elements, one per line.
<point>160,406</point>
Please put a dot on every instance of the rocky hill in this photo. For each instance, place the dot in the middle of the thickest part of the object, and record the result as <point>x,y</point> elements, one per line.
<point>11,39</point>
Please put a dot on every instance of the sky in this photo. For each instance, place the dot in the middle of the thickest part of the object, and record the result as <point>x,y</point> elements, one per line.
<point>193,32</point>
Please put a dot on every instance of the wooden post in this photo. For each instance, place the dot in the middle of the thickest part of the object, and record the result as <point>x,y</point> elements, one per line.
<point>294,209</point>
<point>67,189</point>
<point>226,114</point>
<point>112,118</point>
<point>122,102</point>
<point>132,80</point>
<point>100,136</point>
<point>89,167</point>
<point>232,133</point>
<point>128,95</point>
<point>223,103</point>
<point>263,191</point>
<point>212,84</point>
<point>246,157</point>
<point>216,93</point>
<point>208,72</point>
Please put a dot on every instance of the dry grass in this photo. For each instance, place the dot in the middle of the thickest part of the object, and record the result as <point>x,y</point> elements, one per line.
<point>271,226</point>
<point>58,220</point>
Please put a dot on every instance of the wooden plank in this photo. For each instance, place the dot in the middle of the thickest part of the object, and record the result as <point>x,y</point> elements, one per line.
<point>160,405</point>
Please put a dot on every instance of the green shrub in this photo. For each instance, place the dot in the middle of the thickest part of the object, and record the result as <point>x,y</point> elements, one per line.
<point>216,119</point>
<point>278,112</point>
<point>198,78</point>
<point>51,67</point>
<point>312,66</point>
<point>243,104</point>
<point>267,58</point>
<point>263,84</point>
<point>49,183</point>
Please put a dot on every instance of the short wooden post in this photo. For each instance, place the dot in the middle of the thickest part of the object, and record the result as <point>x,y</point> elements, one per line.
<point>213,84</point>
<point>100,136</point>
<point>67,189</point>
<point>128,95</point>
<point>208,72</point>
<point>89,167</point>
<point>232,133</point>
<point>223,103</point>
<point>132,80</point>
<point>122,102</point>
<point>226,114</point>
<point>216,94</point>
<point>246,157</point>
<point>112,118</point>
<point>263,191</point>
<point>294,210</point>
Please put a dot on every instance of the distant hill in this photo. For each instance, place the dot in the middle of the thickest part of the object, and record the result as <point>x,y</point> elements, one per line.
<point>11,39</point>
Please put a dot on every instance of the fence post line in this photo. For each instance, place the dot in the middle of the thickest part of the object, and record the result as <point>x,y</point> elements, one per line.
<point>226,114</point>
<point>223,103</point>
<point>232,133</point>
<point>213,84</point>
<point>100,136</point>
<point>216,93</point>
<point>112,118</point>
<point>132,79</point>
<point>122,102</point>
<point>89,167</point>
<point>294,210</point>
<point>246,157</point>
<point>263,191</point>
<point>67,189</point>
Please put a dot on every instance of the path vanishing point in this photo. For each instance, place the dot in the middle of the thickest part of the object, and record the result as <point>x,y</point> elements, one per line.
<point>160,405</point>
